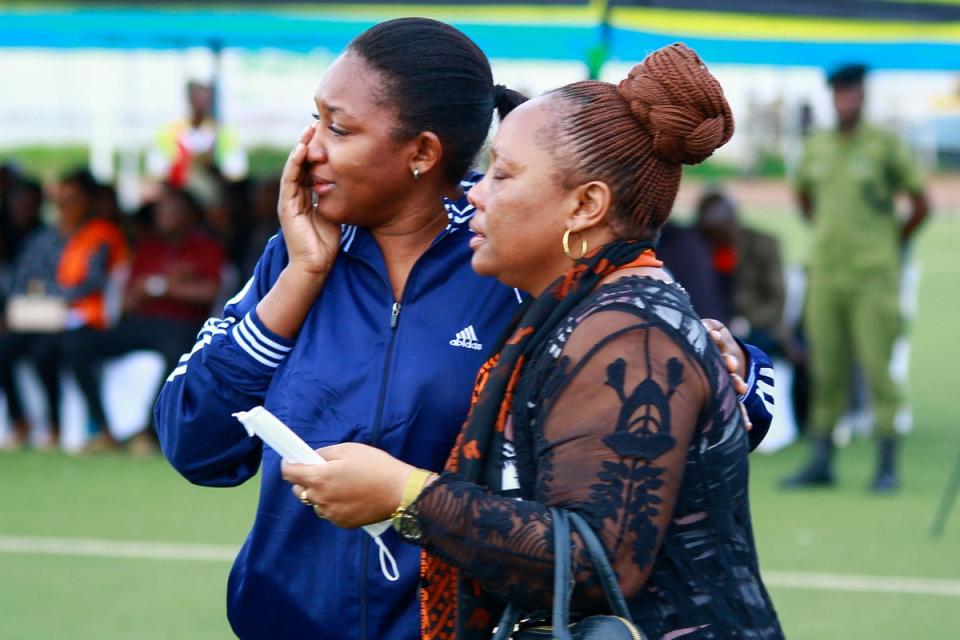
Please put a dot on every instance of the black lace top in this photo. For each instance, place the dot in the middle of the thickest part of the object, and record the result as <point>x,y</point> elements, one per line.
<point>628,417</point>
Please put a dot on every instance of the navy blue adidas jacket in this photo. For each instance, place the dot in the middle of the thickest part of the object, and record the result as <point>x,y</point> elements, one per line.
<point>365,368</point>
<point>758,399</point>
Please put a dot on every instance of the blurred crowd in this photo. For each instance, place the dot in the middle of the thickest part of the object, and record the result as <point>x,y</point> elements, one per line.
<point>82,281</point>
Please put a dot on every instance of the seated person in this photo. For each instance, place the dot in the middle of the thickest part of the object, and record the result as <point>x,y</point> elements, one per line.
<point>686,255</point>
<point>33,270</point>
<point>174,279</point>
<point>749,270</point>
<point>95,250</point>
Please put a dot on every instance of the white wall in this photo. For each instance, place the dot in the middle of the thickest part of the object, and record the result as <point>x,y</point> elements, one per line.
<point>116,100</point>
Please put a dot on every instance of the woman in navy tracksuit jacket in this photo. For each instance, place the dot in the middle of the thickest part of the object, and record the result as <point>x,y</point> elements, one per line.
<point>347,334</point>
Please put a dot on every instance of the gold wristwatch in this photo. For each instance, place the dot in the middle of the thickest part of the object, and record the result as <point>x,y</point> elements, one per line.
<point>403,521</point>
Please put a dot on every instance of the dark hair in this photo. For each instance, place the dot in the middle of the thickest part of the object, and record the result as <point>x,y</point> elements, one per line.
<point>189,202</point>
<point>83,179</point>
<point>712,197</point>
<point>105,189</point>
<point>847,76</point>
<point>439,80</point>
<point>29,186</point>
<point>668,112</point>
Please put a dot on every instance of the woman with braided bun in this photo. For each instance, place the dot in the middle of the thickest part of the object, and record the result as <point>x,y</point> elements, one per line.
<point>606,396</point>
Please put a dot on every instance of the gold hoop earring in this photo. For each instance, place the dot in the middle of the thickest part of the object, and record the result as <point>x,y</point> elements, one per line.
<point>566,245</point>
<point>416,173</point>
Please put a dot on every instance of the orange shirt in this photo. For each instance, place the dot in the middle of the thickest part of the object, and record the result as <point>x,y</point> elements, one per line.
<point>74,268</point>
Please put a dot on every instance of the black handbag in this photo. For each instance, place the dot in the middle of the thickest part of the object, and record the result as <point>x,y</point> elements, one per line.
<point>618,626</point>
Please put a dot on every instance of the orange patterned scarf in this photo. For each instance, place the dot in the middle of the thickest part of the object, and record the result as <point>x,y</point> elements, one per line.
<point>453,607</point>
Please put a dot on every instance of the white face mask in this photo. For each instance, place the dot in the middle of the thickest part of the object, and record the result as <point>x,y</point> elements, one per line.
<point>266,426</point>
<point>388,564</point>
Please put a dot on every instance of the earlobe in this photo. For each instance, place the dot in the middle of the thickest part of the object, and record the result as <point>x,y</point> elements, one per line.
<point>427,152</point>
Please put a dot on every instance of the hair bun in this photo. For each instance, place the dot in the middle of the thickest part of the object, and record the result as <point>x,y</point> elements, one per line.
<point>679,102</point>
<point>499,93</point>
<point>506,100</point>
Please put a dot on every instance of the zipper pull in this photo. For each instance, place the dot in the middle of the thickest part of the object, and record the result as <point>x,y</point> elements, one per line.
<point>395,315</point>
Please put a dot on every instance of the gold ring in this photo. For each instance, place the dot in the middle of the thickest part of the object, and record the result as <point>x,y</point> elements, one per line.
<point>304,499</point>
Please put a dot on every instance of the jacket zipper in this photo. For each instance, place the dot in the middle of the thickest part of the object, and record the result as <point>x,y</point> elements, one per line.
<point>381,400</point>
<point>395,315</point>
<point>394,322</point>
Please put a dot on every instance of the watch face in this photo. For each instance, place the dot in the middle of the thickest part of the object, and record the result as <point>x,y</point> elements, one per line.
<point>405,523</point>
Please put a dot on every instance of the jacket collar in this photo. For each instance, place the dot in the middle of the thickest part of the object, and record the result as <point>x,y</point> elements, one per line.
<point>459,214</point>
<point>460,211</point>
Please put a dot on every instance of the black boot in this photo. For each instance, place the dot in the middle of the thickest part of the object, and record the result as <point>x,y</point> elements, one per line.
<point>886,480</point>
<point>818,472</point>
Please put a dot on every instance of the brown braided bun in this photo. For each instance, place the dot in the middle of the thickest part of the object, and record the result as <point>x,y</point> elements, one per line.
<point>635,137</point>
<point>680,103</point>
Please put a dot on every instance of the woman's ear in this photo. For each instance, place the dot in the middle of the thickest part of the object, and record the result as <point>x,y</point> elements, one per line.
<point>426,152</point>
<point>593,206</point>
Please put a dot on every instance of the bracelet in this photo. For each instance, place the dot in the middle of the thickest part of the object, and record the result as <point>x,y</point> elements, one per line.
<point>416,481</point>
<point>411,490</point>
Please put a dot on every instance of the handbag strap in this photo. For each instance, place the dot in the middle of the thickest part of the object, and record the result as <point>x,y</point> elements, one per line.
<point>562,573</point>
<point>563,581</point>
<point>601,566</point>
<point>509,619</point>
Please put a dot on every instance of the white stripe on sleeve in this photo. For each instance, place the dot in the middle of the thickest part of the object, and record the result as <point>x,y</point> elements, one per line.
<point>237,298</point>
<point>268,353</point>
<point>179,371</point>
<point>239,339</point>
<point>262,339</point>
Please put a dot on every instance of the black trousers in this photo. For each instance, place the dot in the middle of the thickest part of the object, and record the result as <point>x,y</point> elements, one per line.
<point>41,350</point>
<point>85,349</point>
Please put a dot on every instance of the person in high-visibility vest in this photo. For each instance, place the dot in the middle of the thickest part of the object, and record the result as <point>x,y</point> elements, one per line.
<point>197,143</point>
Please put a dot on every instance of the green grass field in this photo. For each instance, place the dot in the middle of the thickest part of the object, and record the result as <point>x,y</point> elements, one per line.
<point>845,531</point>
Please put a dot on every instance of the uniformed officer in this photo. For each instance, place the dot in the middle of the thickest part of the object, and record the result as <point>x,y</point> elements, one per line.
<point>847,181</point>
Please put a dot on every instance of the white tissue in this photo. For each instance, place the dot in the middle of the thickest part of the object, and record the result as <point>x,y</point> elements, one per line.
<point>261,423</point>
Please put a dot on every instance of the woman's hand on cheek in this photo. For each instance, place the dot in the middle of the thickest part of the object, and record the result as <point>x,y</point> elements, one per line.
<point>358,485</point>
<point>312,242</point>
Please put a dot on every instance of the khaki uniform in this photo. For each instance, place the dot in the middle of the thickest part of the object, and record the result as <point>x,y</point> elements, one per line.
<point>853,311</point>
